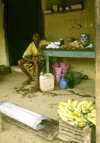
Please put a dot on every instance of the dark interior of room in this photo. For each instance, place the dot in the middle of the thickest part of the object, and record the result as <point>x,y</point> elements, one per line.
<point>22,18</point>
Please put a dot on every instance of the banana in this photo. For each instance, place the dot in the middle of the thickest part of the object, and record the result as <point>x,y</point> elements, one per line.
<point>83,108</point>
<point>69,116</point>
<point>92,120</point>
<point>93,111</point>
<point>85,111</point>
<point>66,119</point>
<point>91,115</point>
<point>76,123</point>
<point>75,112</point>
<point>69,102</point>
<point>63,103</point>
<point>75,116</point>
<point>70,112</point>
<point>80,104</point>
<point>80,115</point>
<point>59,112</point>
<point>89,105</point>
<point>68,106</point>
<point>85,104</point>
<point>74,103</point>
<point>81,120</point>
<point>65,108</point>
<point>82,124</point>
<point>92,107</point>
<point>76,109</point>
<point>62,109</point>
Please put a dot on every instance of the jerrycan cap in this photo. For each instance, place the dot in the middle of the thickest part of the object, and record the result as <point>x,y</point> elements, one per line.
<point>42,73</point>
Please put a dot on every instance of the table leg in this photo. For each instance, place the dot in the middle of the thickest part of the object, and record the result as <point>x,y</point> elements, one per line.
<point>57,59</point>
<point>47,64</point>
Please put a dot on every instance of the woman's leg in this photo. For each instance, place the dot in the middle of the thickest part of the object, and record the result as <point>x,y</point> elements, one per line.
<point>37,77</point>
<point>21,65</point>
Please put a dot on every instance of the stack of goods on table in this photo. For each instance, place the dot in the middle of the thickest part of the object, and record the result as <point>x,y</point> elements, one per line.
<point>76,113</point>
<point>73,45</point>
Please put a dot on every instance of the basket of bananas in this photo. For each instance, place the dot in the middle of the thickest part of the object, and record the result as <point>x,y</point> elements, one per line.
<point>76,113</point>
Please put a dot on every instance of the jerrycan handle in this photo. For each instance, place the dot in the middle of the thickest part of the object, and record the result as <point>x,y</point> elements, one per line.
<point>49,75</point>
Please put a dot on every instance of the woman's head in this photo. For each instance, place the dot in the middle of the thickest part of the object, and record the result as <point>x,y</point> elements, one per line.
<point>36,37</point>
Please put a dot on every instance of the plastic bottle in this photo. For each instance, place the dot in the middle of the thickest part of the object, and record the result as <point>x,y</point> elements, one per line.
<point>63,83</point>
<point>61,41</point>
<point>71,81</point>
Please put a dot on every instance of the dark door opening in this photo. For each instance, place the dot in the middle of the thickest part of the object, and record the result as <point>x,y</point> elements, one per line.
<point>21,19</point>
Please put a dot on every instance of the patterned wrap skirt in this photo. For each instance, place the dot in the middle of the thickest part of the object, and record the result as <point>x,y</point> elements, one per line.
<point>30,67</point>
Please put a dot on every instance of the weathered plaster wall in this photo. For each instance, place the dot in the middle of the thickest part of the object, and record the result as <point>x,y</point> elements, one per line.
<point>2,41</point>
<point>56,26</point>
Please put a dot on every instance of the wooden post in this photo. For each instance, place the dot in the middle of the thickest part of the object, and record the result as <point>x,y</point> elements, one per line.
<point>1,129</point>
<point>97,68</point>
<point>87,134</point>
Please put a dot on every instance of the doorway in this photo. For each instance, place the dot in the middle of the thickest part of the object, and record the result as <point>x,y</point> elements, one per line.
<point>22,18</point>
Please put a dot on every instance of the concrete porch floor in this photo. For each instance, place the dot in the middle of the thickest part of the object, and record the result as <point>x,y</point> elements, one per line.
<point>12,90</point>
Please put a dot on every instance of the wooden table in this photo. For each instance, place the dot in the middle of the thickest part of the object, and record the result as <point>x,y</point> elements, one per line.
<point>69,53</point>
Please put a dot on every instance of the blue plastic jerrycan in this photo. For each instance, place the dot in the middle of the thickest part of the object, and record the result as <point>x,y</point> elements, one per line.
<point>63,83</point>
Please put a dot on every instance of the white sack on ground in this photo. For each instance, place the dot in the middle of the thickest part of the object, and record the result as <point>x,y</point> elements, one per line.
<point>22,115</point>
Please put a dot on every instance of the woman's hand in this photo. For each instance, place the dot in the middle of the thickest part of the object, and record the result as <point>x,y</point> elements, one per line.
<point>35,59</point>
<point>39,48</point>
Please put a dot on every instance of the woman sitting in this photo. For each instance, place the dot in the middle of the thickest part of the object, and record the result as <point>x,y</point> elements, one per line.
<point>34,50</point>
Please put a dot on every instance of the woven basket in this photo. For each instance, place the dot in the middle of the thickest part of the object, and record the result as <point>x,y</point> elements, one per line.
<point>77,76</point>
<point>4,70</point>
<point>71,133</point>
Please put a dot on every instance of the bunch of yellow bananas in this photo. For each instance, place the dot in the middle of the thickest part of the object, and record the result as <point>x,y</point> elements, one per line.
<point>92,116</point>
<point>81,122</point>
<point>87,106</point>
<point>74,111</point>
<point>65,112</point>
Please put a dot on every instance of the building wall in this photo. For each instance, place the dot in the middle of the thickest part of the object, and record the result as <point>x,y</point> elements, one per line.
<point>56,27</point>
<point>2,41</point>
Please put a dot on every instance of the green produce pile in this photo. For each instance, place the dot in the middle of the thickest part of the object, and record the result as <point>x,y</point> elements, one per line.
<point>82,113</point>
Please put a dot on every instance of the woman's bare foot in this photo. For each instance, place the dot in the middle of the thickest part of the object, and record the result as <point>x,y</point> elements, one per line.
<point>27,81</point>
<point>35,88</point>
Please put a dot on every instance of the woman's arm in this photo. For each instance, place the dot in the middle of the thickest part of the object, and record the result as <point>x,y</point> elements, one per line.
<point>43,46</point>
<point>30,60</point>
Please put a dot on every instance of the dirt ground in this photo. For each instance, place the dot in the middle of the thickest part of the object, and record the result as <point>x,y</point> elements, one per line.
<point>12,90</point>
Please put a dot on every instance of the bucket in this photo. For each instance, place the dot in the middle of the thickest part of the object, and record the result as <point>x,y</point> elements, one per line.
<point>46,82</point>
<point>59,76</point>
<point>62,65</point>
<point>59,70</point>
<point>64,68</point>
<point>55,65</point>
